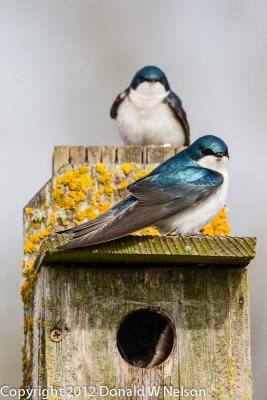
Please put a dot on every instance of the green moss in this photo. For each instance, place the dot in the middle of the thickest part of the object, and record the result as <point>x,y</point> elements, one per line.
<point>41,374</point>
<point>50,305</point>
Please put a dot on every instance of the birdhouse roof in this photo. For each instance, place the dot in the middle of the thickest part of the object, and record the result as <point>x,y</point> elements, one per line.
<point>195,251</point>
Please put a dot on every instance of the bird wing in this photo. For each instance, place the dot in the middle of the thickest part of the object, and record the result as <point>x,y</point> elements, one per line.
<point>177,191</point>
<point>175,104</point>
<point>130,218</point>
<point>117,102</point>
<point>154,198</point>
<point>100,221</point>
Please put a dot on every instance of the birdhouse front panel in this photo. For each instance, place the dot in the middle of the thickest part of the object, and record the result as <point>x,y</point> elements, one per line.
<point>150,327</point>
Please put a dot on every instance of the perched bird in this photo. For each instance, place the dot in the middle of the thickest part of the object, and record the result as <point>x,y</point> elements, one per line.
<point>181,195</point>
<point>148,112</point>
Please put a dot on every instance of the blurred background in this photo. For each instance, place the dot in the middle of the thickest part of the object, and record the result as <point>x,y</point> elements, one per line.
<point>62,64</point>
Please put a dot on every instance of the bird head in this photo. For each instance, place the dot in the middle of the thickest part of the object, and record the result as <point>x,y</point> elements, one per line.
<point>152,75</point>
<point>210,152</point>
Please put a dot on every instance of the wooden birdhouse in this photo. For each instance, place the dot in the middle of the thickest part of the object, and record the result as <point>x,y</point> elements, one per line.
<point>142,317</point>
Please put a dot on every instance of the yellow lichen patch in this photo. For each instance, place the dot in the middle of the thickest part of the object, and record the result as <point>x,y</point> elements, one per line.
<point>72,188</point>
<point>30,247</point>
<point>23,352</point>
<point>86,182</point>
<point>67,177</point>
<point>127,168</point>
<point>231,376</point>
<point>149,231</point>
<point>100,168</point>
<point>28,210</point>
<point>84,169</point>
<point>58,196</point>
<point>140,174</point>
<point>123,185</point>
<point>27,351</point>
<point>88,213</point>
<point>103,208</point>
<point>108,189</point>
<point>27,286</point>
<point>27,269</point>
<point>58,182</point>
<point>52,219</point>
<point>104,178</point>
<point>219,226</point>
<point>24,289</point>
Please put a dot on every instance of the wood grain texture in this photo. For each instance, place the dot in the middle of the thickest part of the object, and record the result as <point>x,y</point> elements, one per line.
<point>158,154</point>
<point>194,250</point>
<point>154,154</point>
<point>212,342</point>
<point>78,155</point>
<point>108,154</point>
<point>111,155</point>
<point>130,154</point>
<point>61,157</point>
<point>94,154</point>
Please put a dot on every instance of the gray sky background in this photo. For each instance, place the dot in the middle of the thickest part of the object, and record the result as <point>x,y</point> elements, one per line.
<point>62,64</point>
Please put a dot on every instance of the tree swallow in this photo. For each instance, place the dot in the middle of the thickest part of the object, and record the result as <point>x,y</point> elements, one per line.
<point>181,195</point>
<point>148,112</point>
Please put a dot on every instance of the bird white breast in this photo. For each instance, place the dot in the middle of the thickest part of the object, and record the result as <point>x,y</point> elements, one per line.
<point>144,119</point>
<point>195,218</point>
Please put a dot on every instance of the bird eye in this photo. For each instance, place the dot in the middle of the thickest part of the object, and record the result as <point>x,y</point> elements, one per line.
<point>206,151</point>
<point>226,153</point>
<point>141,79</point>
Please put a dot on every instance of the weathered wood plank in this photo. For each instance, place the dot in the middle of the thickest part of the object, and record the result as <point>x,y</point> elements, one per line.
<point>130,154</point>
<point>111,155</point>
<point>78,155</point>
<point>108,154</point>
<point>178,149</point>
<point>60,157</point>
<point>94,154</point>
<point>211,350</point>
<point>167,152</point>
<point>154,154</point>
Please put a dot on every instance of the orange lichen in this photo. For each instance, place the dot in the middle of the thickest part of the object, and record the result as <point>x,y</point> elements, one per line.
<point>127,168</point>
<point>30,247</point>
<point>149,231</point>
<point>100,168</point>
<point>123,185</point>
<point>52,219</point>
<point>140,174</point>
<point>219,226</point>
<point>84,169</point>
<point>103,208</point>
<point>24,288</point>
<point>108,189</point>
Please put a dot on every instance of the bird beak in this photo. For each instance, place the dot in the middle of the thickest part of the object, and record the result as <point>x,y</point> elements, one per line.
<point>220,155</point>
<point>152,80</point>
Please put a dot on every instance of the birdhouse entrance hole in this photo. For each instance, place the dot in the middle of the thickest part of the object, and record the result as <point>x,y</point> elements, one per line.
<point>145,338</point>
